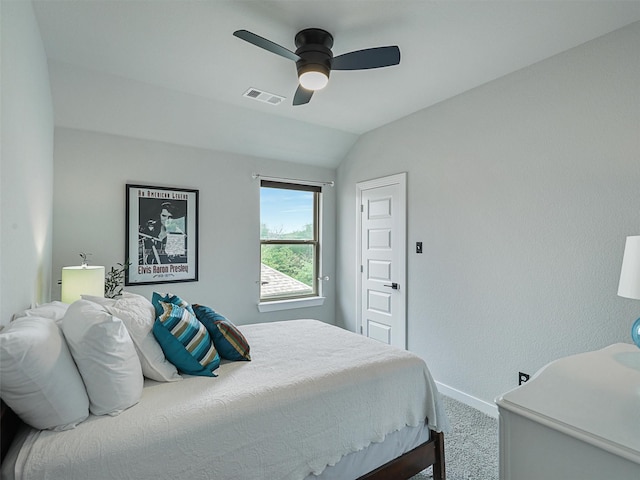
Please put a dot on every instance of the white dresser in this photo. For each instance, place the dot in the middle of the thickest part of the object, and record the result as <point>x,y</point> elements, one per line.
<point>578,418</point>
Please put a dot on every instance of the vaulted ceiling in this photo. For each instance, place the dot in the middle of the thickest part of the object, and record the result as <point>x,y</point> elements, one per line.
<point>172,70</point>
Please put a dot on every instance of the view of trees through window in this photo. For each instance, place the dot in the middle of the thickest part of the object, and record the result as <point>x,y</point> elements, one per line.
<point>291,259</point>
<point>288,241</point>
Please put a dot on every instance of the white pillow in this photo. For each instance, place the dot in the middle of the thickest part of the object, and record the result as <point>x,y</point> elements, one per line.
<point>106,357</point>
<point>40,382</point>
<point>53,310</point>
<point>138,315</point>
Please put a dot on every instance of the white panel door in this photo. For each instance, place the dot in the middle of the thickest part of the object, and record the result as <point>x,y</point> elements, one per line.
<point>382,265</point>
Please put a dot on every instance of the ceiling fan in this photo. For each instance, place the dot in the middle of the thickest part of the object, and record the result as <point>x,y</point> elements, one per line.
<point>314,58</point>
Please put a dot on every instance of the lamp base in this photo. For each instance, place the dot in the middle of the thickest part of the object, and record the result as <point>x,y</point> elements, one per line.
<point>635,332</point>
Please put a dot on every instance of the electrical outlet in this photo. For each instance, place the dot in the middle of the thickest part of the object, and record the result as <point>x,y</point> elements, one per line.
<point>523,378</point>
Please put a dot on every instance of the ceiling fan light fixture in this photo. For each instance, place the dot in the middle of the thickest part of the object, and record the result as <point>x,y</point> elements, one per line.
<point>314,58</point>
<point>313,80</point>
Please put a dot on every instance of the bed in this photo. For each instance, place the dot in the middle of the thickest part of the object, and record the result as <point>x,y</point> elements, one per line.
<point>314,402</point>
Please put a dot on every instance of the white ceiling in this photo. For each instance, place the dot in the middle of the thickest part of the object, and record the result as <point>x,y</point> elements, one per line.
<point>172,71</point>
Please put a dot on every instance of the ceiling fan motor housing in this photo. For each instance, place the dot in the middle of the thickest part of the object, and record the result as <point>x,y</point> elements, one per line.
<point>314,49</point>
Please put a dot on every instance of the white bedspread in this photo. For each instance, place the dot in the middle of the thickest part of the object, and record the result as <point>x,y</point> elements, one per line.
<point>312,393</point>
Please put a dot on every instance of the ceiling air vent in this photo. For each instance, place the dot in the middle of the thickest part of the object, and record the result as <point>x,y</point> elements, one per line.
<point>263,96</point>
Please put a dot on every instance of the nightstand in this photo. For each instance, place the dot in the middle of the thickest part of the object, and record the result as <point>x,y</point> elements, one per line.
<point>578,418</point>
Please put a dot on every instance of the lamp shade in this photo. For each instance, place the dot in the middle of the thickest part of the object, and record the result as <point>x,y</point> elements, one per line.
<point>629,286</point>
<point>84,280</point>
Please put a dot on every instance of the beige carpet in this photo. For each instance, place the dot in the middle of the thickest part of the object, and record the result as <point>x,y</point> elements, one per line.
<point>471,449</point>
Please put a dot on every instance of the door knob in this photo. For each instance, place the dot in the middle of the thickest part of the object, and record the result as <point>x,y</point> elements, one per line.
<point>394,285</point>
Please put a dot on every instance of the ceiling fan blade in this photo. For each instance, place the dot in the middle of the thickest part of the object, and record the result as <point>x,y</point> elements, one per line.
<point>302,96</point>
<point>268,45</point>
<point>368,58</point>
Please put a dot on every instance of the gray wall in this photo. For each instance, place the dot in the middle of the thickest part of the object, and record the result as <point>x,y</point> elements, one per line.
<point>26,171</point>
<point>522,191</point>
<point>91,170</point>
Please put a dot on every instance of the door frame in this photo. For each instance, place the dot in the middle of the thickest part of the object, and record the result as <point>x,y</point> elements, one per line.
<point>401,180</point>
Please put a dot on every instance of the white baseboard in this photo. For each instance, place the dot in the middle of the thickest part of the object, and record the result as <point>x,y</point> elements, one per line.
<point>490,409</point>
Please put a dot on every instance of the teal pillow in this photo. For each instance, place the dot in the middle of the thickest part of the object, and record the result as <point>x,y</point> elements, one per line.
<point>227,339</point>
<point>185,341</point>
<point>168,298</point>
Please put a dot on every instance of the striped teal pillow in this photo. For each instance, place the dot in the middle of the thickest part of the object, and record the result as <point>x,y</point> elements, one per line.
<point>168,298</point>
<point>185,341</point>
<point>228,340</point>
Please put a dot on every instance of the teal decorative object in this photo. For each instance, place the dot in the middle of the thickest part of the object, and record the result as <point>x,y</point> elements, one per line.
<point>635,332</point>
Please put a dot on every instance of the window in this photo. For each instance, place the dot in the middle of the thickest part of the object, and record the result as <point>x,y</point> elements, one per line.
<point>289,240</point>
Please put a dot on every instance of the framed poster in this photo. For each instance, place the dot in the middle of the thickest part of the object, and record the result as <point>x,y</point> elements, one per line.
<point>162,235</point>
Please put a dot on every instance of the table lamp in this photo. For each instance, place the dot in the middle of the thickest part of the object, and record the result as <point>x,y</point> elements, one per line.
<point>82,280</point>
<point>629,286</point>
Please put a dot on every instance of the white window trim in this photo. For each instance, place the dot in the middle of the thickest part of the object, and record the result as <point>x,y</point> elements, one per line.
<point>290,304</point>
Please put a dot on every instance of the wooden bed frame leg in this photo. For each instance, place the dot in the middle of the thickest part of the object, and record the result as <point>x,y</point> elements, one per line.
<point>428,454</point>
<point>439,471</point>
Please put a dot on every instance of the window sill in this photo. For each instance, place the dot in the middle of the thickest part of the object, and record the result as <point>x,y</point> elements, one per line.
<point>290,304</point>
